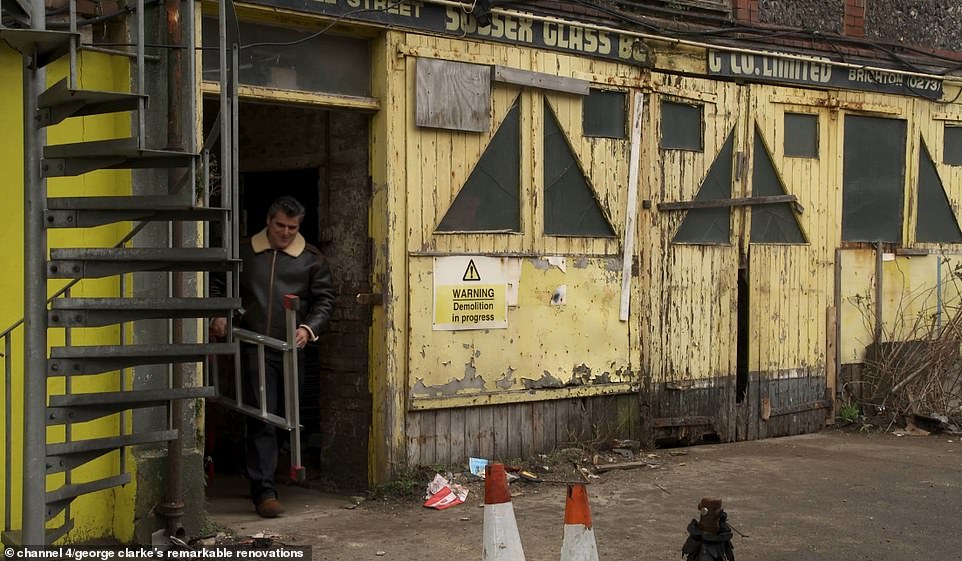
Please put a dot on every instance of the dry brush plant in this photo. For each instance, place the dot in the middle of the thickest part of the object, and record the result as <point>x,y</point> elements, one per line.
<point>916,367</point>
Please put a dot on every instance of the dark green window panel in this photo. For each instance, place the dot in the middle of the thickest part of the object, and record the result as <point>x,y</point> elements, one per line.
<point>872,179</point>
<point>801,135</point>
<point>936,222</point>
<point>489,199</point>
<point>953,146</point>
<point>604,114</point>
<point>774,223</point>
<point>681,126</point>
<point>570,207</point>
<point>711,225</point>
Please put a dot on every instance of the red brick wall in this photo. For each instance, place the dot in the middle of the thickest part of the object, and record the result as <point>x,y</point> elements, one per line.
<point>855,18</point>
<point>746,11</point>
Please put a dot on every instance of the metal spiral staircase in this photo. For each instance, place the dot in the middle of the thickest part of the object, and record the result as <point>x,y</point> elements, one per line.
<point>44,502</point>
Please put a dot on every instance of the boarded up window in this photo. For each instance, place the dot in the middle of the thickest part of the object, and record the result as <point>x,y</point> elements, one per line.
<point>936,221</point>
<point>603,114</point>
<point>801,135</point>
<point>570,207</point>
<point>489,199</point>
<point>872,179</point>
<point>680,126</point>
<point>953,146</point>
<point>774,223</point>
<point>711,225</point>
<point>453,95</point>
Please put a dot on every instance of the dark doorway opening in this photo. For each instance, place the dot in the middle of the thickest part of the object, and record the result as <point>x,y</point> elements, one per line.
<point>320,157</point>
<point>742,337</point>
<point>259,189</point>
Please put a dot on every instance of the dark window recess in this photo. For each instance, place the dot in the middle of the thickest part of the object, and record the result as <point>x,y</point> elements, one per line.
<point>570,207</point>
<point>604,114</point>
<point>680,126</point>
<point>711,225</point>
<point>953,146</point>
<point>936,222</point>
<point>774,223</point>
<point>287,59</point>
<point>489,199</point>
<point>872,179</point>
<point>801,135</point>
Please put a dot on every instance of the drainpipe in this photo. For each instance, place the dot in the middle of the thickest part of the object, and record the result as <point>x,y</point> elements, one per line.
<point>173,506</point>
<point>878,294</point>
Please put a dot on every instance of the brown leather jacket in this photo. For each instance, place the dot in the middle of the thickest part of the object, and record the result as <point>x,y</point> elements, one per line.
<point>269,274</point>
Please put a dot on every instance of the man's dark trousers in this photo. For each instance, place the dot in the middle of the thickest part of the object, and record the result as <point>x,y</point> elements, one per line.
<point>261,439</point>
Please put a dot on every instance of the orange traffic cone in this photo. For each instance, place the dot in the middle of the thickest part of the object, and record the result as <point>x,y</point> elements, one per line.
<point>579,538</point>
<point>501,539</point>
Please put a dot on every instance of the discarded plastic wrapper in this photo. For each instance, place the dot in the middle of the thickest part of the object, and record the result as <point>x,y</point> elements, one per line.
<point>442,494</point>
<point>476,466</point>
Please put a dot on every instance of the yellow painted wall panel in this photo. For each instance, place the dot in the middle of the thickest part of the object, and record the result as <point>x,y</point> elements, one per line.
<point>580,342</point>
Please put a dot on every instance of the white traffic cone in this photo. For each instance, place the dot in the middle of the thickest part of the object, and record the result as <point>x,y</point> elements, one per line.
<point>501,539</point>
<point>579,537</point>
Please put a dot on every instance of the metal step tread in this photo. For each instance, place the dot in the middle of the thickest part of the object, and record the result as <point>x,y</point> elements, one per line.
<point>130,398</point>
<point>76,489</point>
<point>199,350</point>
<point>87,212</point>
<point>200,304</point>
<point>110,442</point>
<point>114,147</point>
<point>98,262</point>
<point>141,202</point>
<point>193,254</point>
<point>98,312</point>
<point>49,45</point>
<point>62,102</point>
<point>80,408</point>
<point>94,359</point>
<point>77,158</point>
<point>15,537</point>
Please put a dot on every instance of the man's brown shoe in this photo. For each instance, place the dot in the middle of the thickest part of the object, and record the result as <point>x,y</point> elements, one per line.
<point>270,508</point>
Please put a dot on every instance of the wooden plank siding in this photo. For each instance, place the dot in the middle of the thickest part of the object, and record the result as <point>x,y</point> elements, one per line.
<point>687,310</point>
<point>680,347</point>
<point>527,429</point>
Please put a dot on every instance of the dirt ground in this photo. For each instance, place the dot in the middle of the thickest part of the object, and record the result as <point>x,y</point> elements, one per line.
<point>834,495</point>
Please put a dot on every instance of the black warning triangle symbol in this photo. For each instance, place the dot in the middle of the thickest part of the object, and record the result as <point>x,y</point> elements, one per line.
<point>471,273</point>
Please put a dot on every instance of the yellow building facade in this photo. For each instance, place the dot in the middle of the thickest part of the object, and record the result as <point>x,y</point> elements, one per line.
<point>573,233</point>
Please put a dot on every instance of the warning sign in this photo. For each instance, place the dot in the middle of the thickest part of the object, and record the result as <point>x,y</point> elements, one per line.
<point>470,292</point>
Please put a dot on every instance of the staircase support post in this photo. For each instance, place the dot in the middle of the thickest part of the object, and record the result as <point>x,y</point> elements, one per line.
<point>35,301</point>
<point>173,506</point>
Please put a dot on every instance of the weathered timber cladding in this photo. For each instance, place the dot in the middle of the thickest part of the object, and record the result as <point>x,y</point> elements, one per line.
<point>782,404</point>
<point>579,344</point>
<point>687,305</point>
<point>518,430</point>
<point>465,391</point>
